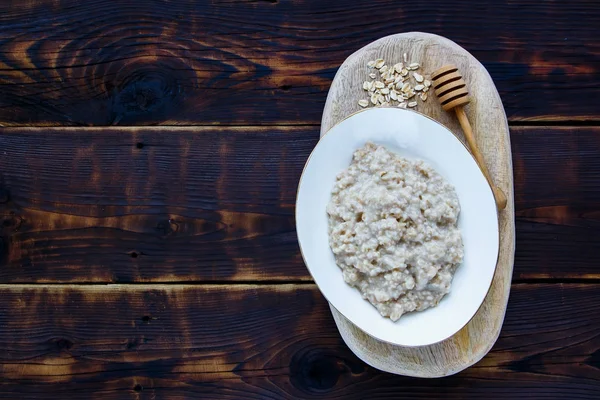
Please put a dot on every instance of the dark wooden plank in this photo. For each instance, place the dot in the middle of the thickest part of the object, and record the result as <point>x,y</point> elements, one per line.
<point>186,62</point>
<point>269,342</point>
<point>557,196</point>
<point>216,204</point>
<point>163,205</point>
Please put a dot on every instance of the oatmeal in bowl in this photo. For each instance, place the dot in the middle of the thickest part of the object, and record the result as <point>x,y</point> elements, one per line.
<point>393,231</point>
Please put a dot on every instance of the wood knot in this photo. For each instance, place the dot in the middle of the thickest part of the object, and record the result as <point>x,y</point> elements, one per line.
<point>168,227</point>
<point>4,196</point>
<point>8,221</point>
<point>594,359</point>
<point>147,319</point>
<point>11,222</point>
<point>140,97</point>
<point>133,343</point>
<point>316,371</point>
<point>149,90</point>
<point>63,344</point>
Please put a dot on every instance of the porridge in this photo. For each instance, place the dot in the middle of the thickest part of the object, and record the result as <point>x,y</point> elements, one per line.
<point>393,231</point>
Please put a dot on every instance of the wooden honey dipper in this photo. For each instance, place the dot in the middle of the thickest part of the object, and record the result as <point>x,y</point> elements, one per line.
<point>452,92</point>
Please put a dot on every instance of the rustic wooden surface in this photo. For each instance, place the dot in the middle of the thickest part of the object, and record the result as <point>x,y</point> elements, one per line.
<point>195,224</point>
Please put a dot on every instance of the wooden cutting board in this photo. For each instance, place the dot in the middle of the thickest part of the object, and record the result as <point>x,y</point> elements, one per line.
<point>490,126</point>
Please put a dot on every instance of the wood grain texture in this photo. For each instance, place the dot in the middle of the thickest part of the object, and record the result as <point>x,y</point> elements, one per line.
<point>268,342</point>
<point>486,114</point>
<point>90,206</point>
<point>130,205</point>
<point>557,193</point>
<point>184,62</point>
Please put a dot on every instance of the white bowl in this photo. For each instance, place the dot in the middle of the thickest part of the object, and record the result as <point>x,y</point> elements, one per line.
<point>411,135</point>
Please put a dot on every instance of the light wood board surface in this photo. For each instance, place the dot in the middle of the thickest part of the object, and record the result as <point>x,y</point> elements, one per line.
<point>488,119</point>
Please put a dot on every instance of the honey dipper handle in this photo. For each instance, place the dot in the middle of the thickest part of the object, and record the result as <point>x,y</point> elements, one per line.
<point>466,126</point>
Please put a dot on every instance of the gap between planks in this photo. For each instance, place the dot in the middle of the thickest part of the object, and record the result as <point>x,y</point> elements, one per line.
<point>155,285</point>
<point>251,284</point>
<point>208,127</point>
<point>247,285</point>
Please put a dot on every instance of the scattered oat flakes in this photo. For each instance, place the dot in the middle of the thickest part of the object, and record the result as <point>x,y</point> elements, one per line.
<point>391,83</point>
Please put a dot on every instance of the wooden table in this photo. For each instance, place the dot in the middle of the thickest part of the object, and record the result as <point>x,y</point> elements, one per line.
<point>149,158</point>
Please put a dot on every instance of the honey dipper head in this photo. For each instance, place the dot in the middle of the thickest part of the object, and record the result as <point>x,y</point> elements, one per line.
<point>450,88</point>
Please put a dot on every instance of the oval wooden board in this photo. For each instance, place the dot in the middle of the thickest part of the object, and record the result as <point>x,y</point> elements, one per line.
<point>488,119</point>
